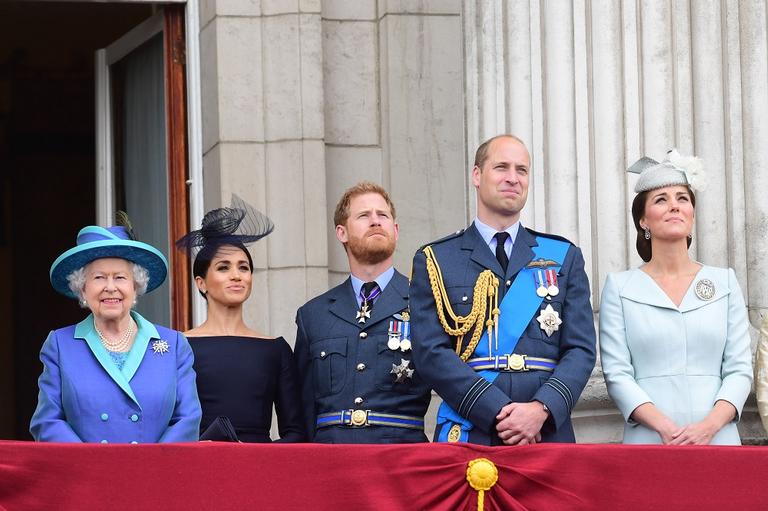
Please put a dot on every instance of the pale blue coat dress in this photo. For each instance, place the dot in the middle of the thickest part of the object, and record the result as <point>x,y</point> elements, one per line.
<point>682,359</point>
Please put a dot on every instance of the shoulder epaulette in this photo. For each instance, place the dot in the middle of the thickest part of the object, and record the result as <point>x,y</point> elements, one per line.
<point>444,238</point>
<point>548,235</point>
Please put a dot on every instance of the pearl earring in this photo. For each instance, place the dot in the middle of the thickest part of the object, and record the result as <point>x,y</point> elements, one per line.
<point>647,234</point>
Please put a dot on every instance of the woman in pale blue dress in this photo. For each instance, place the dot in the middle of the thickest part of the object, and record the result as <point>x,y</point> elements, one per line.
<point>674,344</point>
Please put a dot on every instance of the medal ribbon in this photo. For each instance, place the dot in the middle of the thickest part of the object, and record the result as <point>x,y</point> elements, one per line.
<point>551,277</point>
<point>371,297</point>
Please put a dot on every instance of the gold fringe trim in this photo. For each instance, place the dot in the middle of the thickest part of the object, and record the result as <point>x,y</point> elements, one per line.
<point>485,298</point>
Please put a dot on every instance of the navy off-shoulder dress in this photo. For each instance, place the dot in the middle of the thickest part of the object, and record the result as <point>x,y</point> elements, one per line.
<point>241,378</point>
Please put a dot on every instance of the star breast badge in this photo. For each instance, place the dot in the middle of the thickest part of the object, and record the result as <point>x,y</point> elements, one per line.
<point>160,347</point>
<point>401,371</point>
<point>549,320</point>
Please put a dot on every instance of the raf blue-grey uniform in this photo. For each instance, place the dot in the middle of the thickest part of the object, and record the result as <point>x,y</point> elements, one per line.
<point>567,356</point>
<point>350,393</point>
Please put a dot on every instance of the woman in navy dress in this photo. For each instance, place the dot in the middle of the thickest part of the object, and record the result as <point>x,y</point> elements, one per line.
<point>241,373</point>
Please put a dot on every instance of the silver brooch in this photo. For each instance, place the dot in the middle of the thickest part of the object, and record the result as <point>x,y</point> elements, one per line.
<point>705,289</point>
<point>160,347</point>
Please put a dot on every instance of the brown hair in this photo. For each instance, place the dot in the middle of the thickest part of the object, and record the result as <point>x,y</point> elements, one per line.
<point>643,245</point>
<point>482,152</point>
<point>341,214</point>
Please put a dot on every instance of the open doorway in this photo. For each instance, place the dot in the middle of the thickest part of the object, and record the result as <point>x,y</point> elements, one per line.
<point>48,176</point>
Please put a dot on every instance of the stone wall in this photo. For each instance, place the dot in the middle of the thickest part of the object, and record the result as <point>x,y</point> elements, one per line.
<point>591,86</point>
<point>302,98</point>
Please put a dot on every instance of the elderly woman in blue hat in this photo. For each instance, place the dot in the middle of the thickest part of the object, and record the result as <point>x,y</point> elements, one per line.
<point>114,377</point>
<point>674,344</point>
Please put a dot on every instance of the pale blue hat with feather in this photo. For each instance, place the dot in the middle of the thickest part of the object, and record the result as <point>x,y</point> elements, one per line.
<point>674,170</point>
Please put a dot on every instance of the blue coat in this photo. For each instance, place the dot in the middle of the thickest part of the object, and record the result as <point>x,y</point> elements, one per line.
<point>462,257</point>
<point>682,359</point>
<point>84,397</point>
<point>330,348</point>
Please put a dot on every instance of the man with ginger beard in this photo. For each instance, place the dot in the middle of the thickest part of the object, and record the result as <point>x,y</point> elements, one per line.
<point>353,348</point>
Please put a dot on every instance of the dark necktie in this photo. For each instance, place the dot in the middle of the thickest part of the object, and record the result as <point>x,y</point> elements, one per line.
<point>369,292</point>
<point>501,254</point>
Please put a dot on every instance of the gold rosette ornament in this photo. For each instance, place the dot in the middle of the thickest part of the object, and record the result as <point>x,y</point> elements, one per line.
<point>482,474</point>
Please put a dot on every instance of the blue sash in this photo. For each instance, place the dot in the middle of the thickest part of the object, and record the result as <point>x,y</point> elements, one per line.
<point>518,307</point>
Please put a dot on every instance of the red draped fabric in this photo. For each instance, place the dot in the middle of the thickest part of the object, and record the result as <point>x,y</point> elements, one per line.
<point>219,476</point>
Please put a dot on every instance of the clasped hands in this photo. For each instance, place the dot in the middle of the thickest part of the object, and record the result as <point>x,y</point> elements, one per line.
<point>697,433</point>
<point>520,423</point>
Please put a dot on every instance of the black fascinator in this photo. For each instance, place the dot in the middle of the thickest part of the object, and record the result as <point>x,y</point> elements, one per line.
<point>239,224</point>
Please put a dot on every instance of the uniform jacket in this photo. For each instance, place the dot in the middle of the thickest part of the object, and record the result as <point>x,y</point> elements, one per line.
<point>84,397</point>
<point>681,359</point>
<point>462,257</point>
<point>340,360</point>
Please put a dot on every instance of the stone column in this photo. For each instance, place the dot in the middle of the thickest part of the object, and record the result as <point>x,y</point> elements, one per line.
<point>263,130</point>
<point>422,116</point>
<point>352,117</point>
<point>754,112</point>
<point>591,87</point>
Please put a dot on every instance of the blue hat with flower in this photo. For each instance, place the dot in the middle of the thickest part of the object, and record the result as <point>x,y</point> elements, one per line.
<point>94,242</point>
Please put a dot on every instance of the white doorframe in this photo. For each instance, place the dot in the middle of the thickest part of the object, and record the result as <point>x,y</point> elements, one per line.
<point>105,163</point>
<point>104,142</point>
<point>195,139</point>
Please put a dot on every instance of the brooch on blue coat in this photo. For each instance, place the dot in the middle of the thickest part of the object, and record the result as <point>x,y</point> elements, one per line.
<point>705,289</point>
<point>160,347</point>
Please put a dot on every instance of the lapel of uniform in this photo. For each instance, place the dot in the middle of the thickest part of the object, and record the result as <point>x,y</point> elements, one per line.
<point>392,300</point>
<point>521,251</point>
<point>86,330</point>
<point>481,252</point>
<point>343,303</point>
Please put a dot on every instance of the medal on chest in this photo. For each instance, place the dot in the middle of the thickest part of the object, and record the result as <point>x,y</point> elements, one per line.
<point>399,333</point>
<point>546,283</point>
<point>401,371</point>
<point>549,320</point>
<point>363,314</point>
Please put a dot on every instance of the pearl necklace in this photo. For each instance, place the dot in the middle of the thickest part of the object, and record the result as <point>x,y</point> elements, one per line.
<point>121,345</point>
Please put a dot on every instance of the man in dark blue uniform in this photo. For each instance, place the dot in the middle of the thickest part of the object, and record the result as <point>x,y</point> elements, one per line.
<point>502,322</point>
<point>353,346</point>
